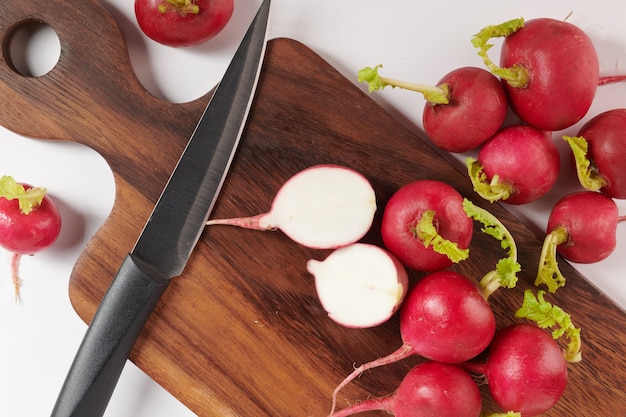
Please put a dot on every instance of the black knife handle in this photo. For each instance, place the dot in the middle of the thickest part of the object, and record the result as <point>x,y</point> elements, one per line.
<point>113,331</point>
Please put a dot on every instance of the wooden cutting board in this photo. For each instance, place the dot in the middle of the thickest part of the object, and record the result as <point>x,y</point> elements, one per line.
<point>242,333</point>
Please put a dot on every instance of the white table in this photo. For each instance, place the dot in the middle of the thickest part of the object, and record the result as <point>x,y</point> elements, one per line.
<point>415,40</point>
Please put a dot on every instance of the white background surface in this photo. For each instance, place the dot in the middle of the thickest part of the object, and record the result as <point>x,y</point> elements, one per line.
<point>416,41</point>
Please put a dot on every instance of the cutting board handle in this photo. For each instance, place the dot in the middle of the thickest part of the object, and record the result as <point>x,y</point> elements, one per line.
<point>92,95</point>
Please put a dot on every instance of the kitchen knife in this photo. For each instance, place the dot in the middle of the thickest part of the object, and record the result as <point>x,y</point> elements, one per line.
<point>169,236</point>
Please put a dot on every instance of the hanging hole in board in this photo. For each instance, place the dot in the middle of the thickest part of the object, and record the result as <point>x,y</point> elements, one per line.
<point>34,49</point>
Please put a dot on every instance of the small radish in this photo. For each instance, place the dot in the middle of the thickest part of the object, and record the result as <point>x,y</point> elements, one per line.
<point>428,389</point>
<point>582,227</point>
<point>525,370</point>
<point>29,222</point>
<point>517,165</point>
<point>550,70</point>
<point>425,227</point>
<point>466,108</point>
<point>323,207</point>
<point>599,151</point>
<point>359,285</point>
<point>444,318</point>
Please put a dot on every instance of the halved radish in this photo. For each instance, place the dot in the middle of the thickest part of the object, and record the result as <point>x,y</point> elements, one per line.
<point>324,207</point>
<point>360,285</point>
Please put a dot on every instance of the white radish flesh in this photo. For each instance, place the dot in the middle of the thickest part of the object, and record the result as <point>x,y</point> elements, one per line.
<point>324,207</point>
<point>359,285</point>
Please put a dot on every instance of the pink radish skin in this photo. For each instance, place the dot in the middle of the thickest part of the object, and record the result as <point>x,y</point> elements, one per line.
<point>323,207</point>
<point>524,159</point>
<point>606,139</point>
<point>359,285</point>
<point>476,110</point>
<point>403,212</point>
<point>444,318</point>
<point>563,73</point>
<point>27,234</point>
<point>590,220</point>
<point>525,369</point>
<point>429,389</point>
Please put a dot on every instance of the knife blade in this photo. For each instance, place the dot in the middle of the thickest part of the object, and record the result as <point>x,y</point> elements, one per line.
<point>169,236</point>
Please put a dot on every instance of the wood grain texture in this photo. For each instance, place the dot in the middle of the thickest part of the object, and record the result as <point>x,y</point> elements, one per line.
<point>242,333</point>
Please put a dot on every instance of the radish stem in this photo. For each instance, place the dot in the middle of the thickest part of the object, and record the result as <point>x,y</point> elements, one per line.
<point>493,190</point>
<point>506,269</point>
<point>515,76</point>
<point>434,95</point>
<point>403,352</point>
<point>426,231</point>
<point>29,199</point>
<point>17,282</point>
<point>588,175</point>
<point>549,272</point>
<point>546,315</point>
<point>610,79</point>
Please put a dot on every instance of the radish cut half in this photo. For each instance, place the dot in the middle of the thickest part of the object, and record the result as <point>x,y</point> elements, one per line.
<point>322,207</point>
<point>359,285</point>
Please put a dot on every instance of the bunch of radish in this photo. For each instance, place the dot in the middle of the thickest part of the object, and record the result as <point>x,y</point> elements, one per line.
<point>29,222</point>
<point>445,317</point>
<point>548,75</point>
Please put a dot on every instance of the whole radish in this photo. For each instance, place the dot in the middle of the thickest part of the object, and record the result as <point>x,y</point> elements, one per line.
<point>549,68</point>
<point>428,389</point>
<point>29,222</point>
<point>323,207</point>
<point>182,23</point>
<point>444,318</point>
<point>466,108</point>
<point>425,226</point>
<point>525,369</point>
<point>517,165</point>
<point>600,151</point>
<point>582,227</point>
<point>359,285</point>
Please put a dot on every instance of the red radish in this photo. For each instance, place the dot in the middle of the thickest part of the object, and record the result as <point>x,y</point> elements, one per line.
<point>550,70</point>
<point>324,207</point>
<point>425,227</point>
<point>582,227</point>
<point>600,151</point>
<point>181,23</point>
<point>466,108</point>
<point>525,370</point>
<point>429,389</point>
<point>29,222</point>
<point>444,318</point>
<point>359,285</point>
<point>518,165</point>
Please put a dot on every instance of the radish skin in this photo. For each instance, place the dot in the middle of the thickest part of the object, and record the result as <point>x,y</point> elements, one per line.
<point>549,68</point>
<point>359,285</point>
<point>29,222</point>
<point>599,151</point>
<point>402,226</point>
<point>428,389</point>
<point>322,207</point>
<point>466,107</point>
<point>518,165</point>
<point>525,369</point>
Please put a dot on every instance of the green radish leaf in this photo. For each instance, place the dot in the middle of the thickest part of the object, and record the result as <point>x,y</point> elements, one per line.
<point>493,190</point>
<point>546,315</point>
<point>28,199</point>
<point>505,273</point>
<point>587,173</point>
<point>515,76</point>
<point>427,232</point>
